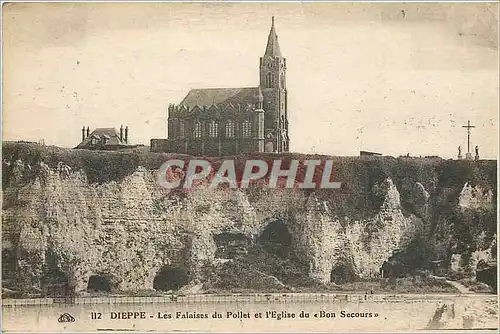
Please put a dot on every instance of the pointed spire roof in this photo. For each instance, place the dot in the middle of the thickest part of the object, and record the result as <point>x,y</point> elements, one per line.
<point>273,47</point>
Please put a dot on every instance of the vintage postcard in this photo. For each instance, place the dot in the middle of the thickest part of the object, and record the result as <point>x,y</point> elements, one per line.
<point>249,167</point>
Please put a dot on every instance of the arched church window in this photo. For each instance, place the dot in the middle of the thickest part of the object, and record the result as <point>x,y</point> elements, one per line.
<point>246,129</point>
<point>182,129</point>
<point>197,129</point>
<point>230,128</point>
<point>212,129</point>
<point>269,80</point>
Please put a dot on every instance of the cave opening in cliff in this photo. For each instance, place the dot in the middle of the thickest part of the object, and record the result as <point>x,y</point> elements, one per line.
<point>54,282</point>
<point>276,238</point>
<point>342,273</point>
<point>231,245</point>
<point>487,273</point>
<point>99,283</point>
<point>171,278</point>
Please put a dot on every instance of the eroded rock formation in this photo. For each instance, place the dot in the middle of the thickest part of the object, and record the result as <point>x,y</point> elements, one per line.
<point>126,231</point>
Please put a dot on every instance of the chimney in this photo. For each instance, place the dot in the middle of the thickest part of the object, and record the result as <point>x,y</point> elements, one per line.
<point>88,131</point>
<point>121,133</point>
<point>126,134</point>
<point>83,133</point>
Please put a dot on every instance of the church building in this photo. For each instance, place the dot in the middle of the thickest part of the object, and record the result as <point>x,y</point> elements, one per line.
<point>227,121</point>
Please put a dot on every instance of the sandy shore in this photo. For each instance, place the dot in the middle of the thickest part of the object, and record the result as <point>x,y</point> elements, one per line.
<point>254,313</point>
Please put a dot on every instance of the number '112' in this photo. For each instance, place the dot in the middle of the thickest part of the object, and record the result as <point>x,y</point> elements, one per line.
<point>95,315</point>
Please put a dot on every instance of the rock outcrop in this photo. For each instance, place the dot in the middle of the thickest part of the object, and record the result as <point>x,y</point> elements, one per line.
<point>97,221</point>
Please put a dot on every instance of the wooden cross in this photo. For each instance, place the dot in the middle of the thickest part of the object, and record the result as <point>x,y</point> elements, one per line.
<point>468,126</point>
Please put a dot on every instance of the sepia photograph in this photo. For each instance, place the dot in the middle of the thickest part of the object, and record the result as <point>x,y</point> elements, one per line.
<point>249,166</point>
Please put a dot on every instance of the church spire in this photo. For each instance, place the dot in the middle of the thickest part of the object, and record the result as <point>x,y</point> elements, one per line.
<point>273,48</point>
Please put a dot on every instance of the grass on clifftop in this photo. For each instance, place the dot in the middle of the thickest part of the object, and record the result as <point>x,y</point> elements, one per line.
<point>353,171</point>
<point>442,179</point>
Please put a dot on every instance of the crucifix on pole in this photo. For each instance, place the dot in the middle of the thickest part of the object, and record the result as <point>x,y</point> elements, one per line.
<point>468,127</point>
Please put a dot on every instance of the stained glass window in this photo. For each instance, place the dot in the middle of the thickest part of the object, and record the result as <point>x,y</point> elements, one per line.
<point>230,128</point>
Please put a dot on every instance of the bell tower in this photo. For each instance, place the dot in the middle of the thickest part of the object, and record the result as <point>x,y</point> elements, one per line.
<point>273,86</point>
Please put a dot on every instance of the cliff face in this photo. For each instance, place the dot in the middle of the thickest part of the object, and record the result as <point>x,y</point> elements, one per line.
<point>109,218</point>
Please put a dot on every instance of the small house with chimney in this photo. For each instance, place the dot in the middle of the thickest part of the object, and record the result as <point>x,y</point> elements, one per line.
<point>105,139</point>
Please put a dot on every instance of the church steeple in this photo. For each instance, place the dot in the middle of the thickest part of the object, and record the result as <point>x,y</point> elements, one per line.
<point>273,47</point>
<point>273,85</point>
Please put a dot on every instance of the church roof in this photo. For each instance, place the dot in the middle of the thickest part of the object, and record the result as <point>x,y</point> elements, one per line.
<point>112,136</point>
<point>273,47</point>
<point>222,96</point>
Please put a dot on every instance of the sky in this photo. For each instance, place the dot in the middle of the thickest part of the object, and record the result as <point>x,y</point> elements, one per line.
<point>393,78</point>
